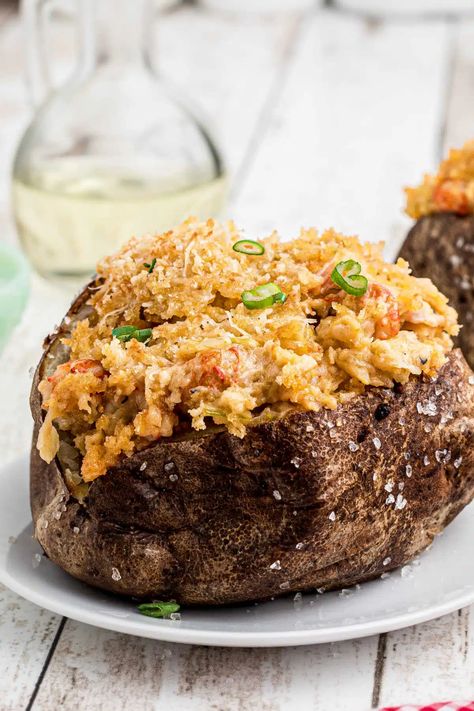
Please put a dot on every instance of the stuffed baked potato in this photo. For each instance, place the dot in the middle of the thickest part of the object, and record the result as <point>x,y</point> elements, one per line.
<point>440,245</point>
<point>219,420</point>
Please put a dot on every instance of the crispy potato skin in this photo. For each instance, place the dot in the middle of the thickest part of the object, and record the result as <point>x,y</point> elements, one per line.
<point>441,247</point>
<point>239,505</point>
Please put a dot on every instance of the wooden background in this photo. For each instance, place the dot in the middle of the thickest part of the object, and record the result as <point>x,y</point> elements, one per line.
<point>323,117</point>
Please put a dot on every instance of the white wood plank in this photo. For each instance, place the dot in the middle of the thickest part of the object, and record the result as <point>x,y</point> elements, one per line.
<point>26,634</point>
<point>92,669</point>
<point>226,67</point>
<point>460,113</point>
<point>430,662</point>
<point>435,660</point>
<point>357,118</point>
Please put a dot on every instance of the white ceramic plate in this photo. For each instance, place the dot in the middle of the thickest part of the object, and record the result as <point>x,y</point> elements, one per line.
<point>442,580</point>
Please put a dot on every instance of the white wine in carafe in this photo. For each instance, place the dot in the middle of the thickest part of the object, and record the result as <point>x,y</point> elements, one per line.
<point>111,153</point>
<point>66,224</point>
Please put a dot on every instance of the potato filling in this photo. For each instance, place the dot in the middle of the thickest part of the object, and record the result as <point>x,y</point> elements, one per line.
<point>196,353</point>
<point>450,190</point>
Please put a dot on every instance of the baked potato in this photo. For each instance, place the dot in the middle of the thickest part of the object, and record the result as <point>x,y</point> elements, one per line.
<point>440,245</point>
<point>354,450</point>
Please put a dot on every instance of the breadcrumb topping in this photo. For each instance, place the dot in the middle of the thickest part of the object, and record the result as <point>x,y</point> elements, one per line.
<point>212,360</point>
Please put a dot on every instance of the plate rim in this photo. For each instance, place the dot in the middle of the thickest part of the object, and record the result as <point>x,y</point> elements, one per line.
<point>171,631</point>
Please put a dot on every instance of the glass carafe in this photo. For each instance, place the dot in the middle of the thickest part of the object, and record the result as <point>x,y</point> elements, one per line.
<point>111,154</point>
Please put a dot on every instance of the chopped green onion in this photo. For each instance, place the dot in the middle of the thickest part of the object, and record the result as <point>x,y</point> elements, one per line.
<point>126,333</point>
<point>347,276</point>
<point>158,609</point>
<point>249,246</point>
<point>143,334</point>
<point>263,296</point>
<point>150,266</point>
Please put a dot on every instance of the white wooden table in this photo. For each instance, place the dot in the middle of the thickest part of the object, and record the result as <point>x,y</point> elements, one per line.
<point>323,118</point>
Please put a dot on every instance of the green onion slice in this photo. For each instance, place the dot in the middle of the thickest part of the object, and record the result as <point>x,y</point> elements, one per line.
<point>126,333</point>
<point>347,276</point>
<point>248,246</point>
<point>263,296</point>
<point>158,609</point>
<point>142,334</point>
<point>150,266</point>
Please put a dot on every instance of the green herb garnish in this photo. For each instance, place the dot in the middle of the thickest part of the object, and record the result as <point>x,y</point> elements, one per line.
<point>263,296</point>
<point>248,246</point>
<point>158,609</point>
<point>150,266</point>
<point>126,333</point>
<point>347,276</point>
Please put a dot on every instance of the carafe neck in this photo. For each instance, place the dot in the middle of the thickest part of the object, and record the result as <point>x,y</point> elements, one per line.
<point>114,32</point>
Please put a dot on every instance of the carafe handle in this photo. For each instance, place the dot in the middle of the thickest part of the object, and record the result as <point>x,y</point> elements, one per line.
<point>35,15</point>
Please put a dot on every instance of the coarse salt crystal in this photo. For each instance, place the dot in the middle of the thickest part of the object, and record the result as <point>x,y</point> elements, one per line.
<point>329,425</point>
<point>36,560</point>
<point>143,466</point>
<point>401,421</point>
<point>471,380</point>
<point>386,560</point>
<point>407,455</point>
<point>401,486</point>
<point>309,428</point>
<point>175,616</point>
<point>427,408</point>
<point>299,546</point>
<point>384,576</point>
<point>457,462</point>
<point>390,499</point>
<point>353,446</point>
<point>276,565</point>
<point>320,591</point>
<point>377,443</point>
<point>296,461</point>
<point>374,476</point>
<point>332,434</point>
<point>442,456</point>
<point>438,390</point>
<point>285,585</point>
<point>428,427</point>
<point>276,495</point>
<point>408,470</point>
<point>389,486</point>
<point>169,466</point>
<point>345,592</point>
<point>400,502</point>
<point>116,574</point>
<point>57,515</point>
<point>406,571</point>
<point>75,530</point>
<point>173,477</point>
<point>426,460</point>
<point>332,516</point>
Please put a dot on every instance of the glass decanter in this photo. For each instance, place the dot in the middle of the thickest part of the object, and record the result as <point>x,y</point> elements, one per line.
<point>111,154</point>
